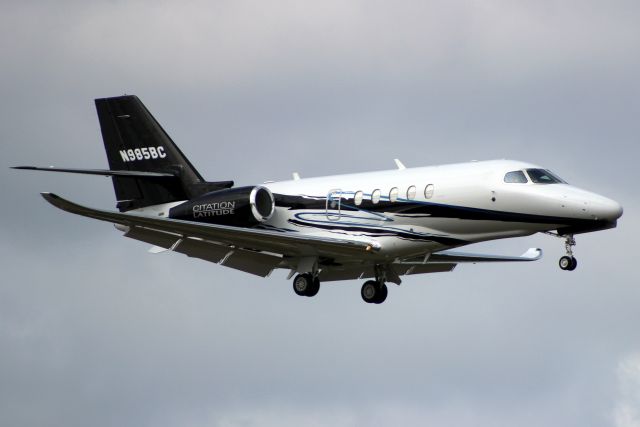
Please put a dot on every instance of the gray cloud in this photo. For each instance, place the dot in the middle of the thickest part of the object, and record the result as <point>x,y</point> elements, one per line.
<point>95,330</point>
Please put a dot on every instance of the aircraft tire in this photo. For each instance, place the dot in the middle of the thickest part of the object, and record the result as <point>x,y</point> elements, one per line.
<point>314,288</point>
<point>382,293</point>
<point>568,263</point>
<point>369,291</point>
<point>302,283</point>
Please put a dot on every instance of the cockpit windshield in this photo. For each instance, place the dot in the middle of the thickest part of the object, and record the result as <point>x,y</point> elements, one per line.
<point>516,177</point>
<point>542,176</point>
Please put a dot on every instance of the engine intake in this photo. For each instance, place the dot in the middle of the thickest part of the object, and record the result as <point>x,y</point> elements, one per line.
<point>242,207</point>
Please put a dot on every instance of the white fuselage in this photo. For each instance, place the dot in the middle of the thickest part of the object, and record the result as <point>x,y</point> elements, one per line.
<point>416,211</point>
<point>452,205</point>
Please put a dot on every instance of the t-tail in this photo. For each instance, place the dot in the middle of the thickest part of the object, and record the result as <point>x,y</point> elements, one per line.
<point>146,166</point>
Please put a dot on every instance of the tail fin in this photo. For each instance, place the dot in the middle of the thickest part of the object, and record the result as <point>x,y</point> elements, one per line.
<point>135,141</point>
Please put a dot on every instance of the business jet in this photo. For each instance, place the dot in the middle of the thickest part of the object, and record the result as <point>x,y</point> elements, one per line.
<point>376,226</point>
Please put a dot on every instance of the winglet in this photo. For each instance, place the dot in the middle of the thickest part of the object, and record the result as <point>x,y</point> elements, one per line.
<point>533,254</point>
<point>399,164</point>
<point>52,198</point>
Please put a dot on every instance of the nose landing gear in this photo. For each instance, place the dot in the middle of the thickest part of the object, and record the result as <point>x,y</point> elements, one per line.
<point>567,262</point>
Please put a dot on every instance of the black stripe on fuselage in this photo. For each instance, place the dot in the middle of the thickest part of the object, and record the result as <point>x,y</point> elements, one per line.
<point>429,209</point>
<point>380,232</point>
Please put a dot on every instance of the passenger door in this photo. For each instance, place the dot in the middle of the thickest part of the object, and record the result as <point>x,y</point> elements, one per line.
<point>332,207</point>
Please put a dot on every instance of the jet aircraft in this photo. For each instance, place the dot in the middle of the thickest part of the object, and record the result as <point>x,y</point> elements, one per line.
<point>376,226</point>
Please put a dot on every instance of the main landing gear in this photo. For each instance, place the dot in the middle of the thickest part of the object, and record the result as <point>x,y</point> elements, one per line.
<point>374,292</point>
<point>306,285</point>
<point>567,262</point>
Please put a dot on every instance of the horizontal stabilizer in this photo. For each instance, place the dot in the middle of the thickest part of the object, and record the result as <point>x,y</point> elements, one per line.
<point>196,189</point>
<point>103,172</point>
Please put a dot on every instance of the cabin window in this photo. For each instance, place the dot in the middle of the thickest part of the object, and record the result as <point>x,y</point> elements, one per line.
<point>516,177</point>
<point>542,176</point>
<point>411,192</point>
<point>375,196</point>
<point>393,194</point>
<point>357,198</point>
<point>428,191</point>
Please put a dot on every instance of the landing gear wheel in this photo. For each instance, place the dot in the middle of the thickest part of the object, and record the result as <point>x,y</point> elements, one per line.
<point>568,263</point>
<point>302,283</point>
<point>369,291</point>
<point>374,292</point>
<point>314,288</point>
<point>306,285</point>
<point>382,294</point>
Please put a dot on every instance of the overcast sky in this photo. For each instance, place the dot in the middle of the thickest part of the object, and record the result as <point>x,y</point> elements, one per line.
<point>96,331</point>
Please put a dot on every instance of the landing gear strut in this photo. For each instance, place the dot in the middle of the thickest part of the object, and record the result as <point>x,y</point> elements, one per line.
<point>306,285</point>
<point>568,262</point>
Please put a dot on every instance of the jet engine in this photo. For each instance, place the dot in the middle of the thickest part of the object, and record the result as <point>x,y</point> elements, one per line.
<point>240,207</point>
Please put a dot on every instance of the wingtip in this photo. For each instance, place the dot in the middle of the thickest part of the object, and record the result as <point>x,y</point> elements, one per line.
<point>50,197</point>
<point>533,254</point>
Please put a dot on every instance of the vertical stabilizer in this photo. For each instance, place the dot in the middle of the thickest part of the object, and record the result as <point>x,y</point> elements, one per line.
<point>135,141</point>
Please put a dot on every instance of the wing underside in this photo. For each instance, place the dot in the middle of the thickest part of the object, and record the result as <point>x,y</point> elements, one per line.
<point>431,263</point>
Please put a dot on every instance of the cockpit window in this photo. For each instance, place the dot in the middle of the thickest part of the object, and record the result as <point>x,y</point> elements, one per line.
<point>515,177</point>
<point>542,176</point>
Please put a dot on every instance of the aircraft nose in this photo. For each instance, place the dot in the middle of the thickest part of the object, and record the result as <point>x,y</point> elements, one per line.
<point>606,209</point>
<point>614,210</point>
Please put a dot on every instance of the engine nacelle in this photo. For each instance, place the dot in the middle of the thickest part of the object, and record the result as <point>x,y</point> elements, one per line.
<point>241,207</point>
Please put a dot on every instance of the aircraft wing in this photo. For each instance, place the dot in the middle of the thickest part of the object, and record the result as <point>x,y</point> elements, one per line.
<point>435,263</point>
<point>259,251</point>
<point>196,239</point>
<point>533,254</point>
<point>448,260</point>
